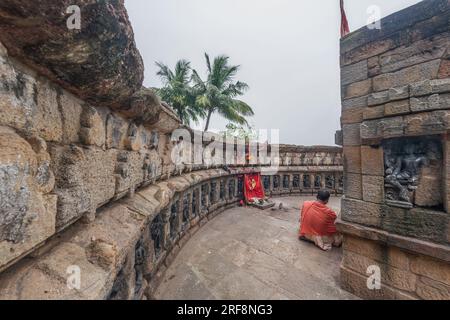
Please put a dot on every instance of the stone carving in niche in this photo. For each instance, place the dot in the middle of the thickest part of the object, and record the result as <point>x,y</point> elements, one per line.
<point>329,181</point>
<point>286,182</point>
<point>296,181</point>
<point>194,203</point>
<point>173,220</point>
<point>341,182</point>
<point>266,183</point>
<point>317,182</point>
<point>204,198</point>
<point>241,187</point>
<point>307,181</point>
<point>276,182</point>
<point>186,209</point>
<point>157,234</point>
<point>413,171</point>
<point>222,190</point>
<point>231,188</point>
<point>213,193</point>
<point>139,259</point>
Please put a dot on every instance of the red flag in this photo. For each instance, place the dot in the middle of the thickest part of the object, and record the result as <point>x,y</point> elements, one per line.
<point>344,22</point>
<point>253,187</point>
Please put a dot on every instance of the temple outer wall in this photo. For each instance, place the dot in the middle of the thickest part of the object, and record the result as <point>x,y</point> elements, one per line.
<point>95,189</point>
<point>395,136</point>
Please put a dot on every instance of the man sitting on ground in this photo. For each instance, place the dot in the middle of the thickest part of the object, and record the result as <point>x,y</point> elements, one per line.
<point>317,223</point>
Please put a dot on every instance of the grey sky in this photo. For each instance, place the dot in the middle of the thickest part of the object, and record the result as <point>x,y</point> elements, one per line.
<point>288,50</point>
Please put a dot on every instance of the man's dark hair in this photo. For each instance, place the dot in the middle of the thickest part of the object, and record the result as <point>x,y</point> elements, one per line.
<point>323,195</point>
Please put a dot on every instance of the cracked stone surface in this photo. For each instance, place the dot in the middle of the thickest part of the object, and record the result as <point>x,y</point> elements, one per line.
<point>245,253</point>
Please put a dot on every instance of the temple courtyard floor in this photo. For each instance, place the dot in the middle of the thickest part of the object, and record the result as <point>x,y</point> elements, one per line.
<point>246,253</point>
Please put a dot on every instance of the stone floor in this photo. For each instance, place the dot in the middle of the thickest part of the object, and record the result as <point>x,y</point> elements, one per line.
<point>246,253</point>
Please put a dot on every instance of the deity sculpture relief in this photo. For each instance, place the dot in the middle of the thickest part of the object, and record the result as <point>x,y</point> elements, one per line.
<point>286,182</point>
<point>296,181</point>
<point>404,160</point>
<point>157,234</point>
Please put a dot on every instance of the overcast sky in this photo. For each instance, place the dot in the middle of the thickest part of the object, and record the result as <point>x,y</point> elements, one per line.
<point>288,51</point>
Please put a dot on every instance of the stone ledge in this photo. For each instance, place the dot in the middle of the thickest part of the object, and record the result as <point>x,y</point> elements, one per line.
<point>430,249</point>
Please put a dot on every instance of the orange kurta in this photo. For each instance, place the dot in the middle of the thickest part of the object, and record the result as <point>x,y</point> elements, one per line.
<point>317,220</point>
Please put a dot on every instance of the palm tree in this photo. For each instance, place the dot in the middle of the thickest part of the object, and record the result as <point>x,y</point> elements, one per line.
<point>218,93</point>
<point>177,91</point>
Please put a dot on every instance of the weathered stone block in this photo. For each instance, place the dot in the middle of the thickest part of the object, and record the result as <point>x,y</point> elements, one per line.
<point>93,129</point>
<point>372,161</point>
<point>116,131</point>
<point>418,52</point>
<point>364,51</point>
<point>373,112</point>
<point>421,88</point>
<point>418,223</point>
<point>378,98</point>
<point>429,192</point>
<point>352,115</point>
<point>373,188</point>
<point>129,170</point>
<point>431,268</point>
<point>352,159</point>
<point>386,254</point>
<point>358,89</point>
<point>353,185</point>
<point>433,102</point>
<point>423,71</point>
<point>71,109</point>
<point>354,102</point>
<point>18,92</point>
<point>391,276</point>
<point>375,130</point>
<point>85,180</point>
<point>440,85</point>
<point>396,108</point>
<point>357,284</point>
<point>353,73</point>
<point>48,119</point>
<point>361,212</point>
<point>399,93</point>
<point>27,213</point>
<point>432,290</point>
<point>374,66</point>
<point>351,134</point>
<point>435,122</point>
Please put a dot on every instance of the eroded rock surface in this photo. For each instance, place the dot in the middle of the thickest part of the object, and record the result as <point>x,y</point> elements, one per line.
<point>27,211</point>
<point>99,62</point>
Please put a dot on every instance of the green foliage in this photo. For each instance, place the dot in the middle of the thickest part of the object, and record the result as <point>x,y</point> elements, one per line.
<point>217,94</point>
<point>178,92</point>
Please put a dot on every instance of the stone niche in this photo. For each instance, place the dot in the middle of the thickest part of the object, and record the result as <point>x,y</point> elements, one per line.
<point>414,172</point>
